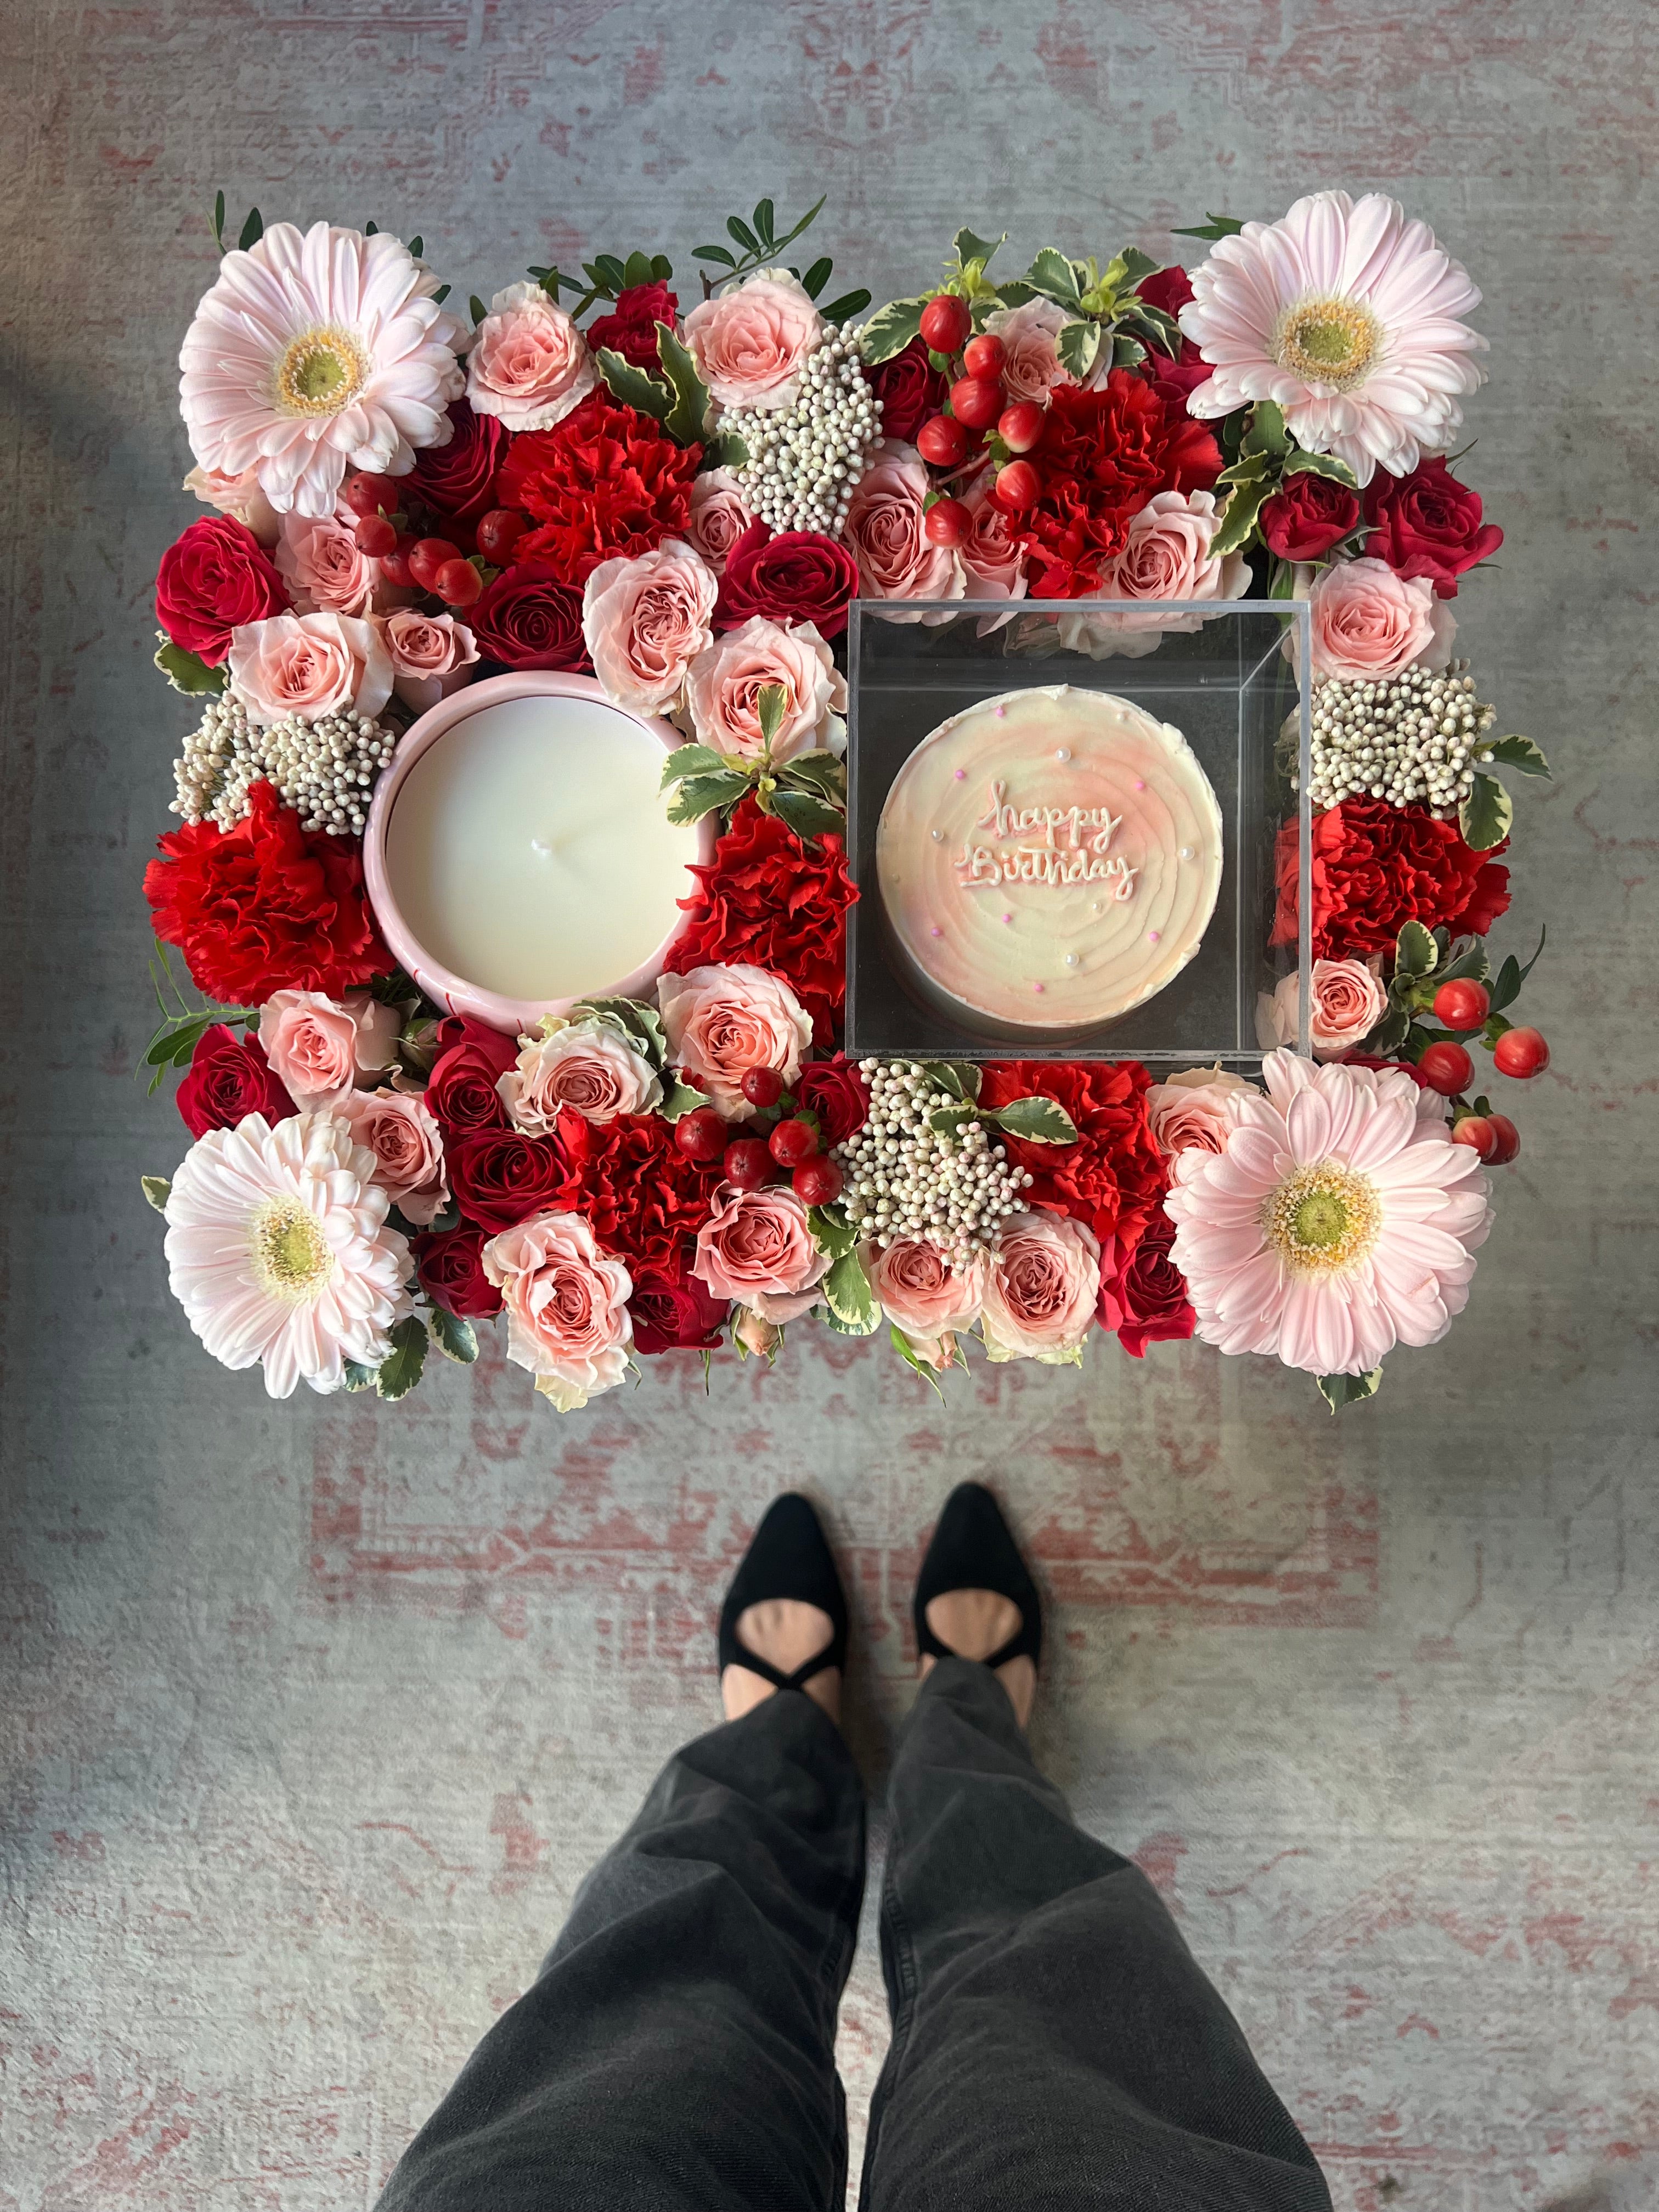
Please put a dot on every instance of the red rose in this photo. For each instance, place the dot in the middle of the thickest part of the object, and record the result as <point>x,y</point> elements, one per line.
<point>213,579</point>
<point>266,906</point>
<point>795,577</point>
<point>461,1089</point>
<point>1170,289</point>
<point>1427,524</point>
<point>1372,1060</point>
<point>501,1177</point>
<point>527,619</point>
<point>672,1311</point>
<point>1113,1177</point>
<point>605,482</point>
<point>229,1076</point>
<point>1102,456</point>
<point>1375,866</point>
<point>458,479</point>
<point>771,901</point>
<point>909,388</point>
<point>450,1267</point>
<point>642,1197</point>
<point>630,328</point>
<point>1143,1294</point>
<point>837,1093</point>
<point>1307,515</point>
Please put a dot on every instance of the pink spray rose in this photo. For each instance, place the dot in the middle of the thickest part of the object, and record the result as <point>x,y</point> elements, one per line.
<point>723,691</point>
<point>883,527</point>
<point>1348,1002</point>
<point>1195,1112</point>
<point>398,1127</point>
<point>326,572</point>
<point>718,517</point>
<point>585,1065</point>
<point>645,621</point>
<point>529,365</point>
<point>1370,624</point>
<point>1031,366</point>
<point>757,1249</point>
<point>242,496</point>
<point>751,344</point>
<point>926,1293</point>
<point>430,655</point>
<point>318,1046</point>
<point>310,666</point>
<point>1166,555</point>
<point>722,1021</point>
<point>565,1304</point>
<point>1042,1288</point>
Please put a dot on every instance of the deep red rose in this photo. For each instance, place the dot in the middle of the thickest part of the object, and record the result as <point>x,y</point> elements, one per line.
<point>460,1090</point>
<point>501,1177</point>
<point>458,479</point>
<point>527,619</point>
<point>909,388</point>
<point>450,1267</point>
<point>640,1193</point>
<point>630,328</point>
<point>1170,289</point>
<point>772,901</point>
<point>497,1047</point>
<point>1427,524</point>
<point>1113,1177</point>
<point>1307,515</point>
<point>212,579</point>
<point>672,1311</point>
<point>1102,456</point>
<point>266,906</point>
<point>1370,1060</point>
<point>1375,866</point>
<point>1143,1294</point>
<point>797,577</point>
<point>229,1076</point>
<point>605,482</point>
<point>837,1093</point>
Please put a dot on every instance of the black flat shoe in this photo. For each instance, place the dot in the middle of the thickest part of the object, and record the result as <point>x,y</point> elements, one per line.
<point>973,1548</point>
<point>789,1558</point>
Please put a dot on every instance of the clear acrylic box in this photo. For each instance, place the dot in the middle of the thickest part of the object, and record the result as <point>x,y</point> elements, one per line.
<point>1227,686</point>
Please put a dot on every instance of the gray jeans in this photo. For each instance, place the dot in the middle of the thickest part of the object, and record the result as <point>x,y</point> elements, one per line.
<point>1054,2042</point>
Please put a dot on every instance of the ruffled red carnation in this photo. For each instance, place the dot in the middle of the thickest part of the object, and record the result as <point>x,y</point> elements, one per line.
<point>630,328</point>
<point>1113,1177</point>
<point>643,1198</point>
<point>1377,866</point>
<point>265,906</point>
<point>772,901</point>
<point>603,484</point>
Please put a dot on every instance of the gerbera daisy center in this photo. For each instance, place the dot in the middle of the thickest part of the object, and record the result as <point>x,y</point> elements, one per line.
<point>321,372</point>
<point>1323,1219</point>
<point>1331,342</point>
<point>291,1255</point>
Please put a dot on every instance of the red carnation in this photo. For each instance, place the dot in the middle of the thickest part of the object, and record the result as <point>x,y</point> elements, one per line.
<point>640,1193</point>
<point>797,576</point>
<point>909,388</point>
<point>630,328</point>
<point>1143,1294</point>
<point>528,619</point>
<point>213,579</point>
<point>458,479</point>
<point>1102,454</point>
<point>266,906</point>
<point>229,1076</point>
<point>837,1092</point>
<point>605,482</point>
<point>450,1267</point>
<point>1113,1176</point>
<point>1307,515</point>
<point>501,1177</point>
<point>672,1311</point>
<point>1375,866</point>
<point>772,901</point>
<point>1427,524</point>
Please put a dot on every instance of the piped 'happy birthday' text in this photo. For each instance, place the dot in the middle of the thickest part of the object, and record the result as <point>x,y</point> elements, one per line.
<point>1072,846</point>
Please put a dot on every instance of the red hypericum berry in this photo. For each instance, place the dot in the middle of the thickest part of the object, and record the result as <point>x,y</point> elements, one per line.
<point>1020,425</point>
<point>375,536</point>
<point>748,1165</point>
<point>427,556</point>
<point>947,522</point>
<point>794,1142</point>
<point>701,1134</point>
<point>1447,1068</point>
<point>458,583</point>
<point>1462,1004</point>
<point>985,355</point>
<point>945,322</point>
<point>1521,1052</point>
<point>976,401</point>
<point>817,1182</point>
<point>370,494</point>
<point>1017,486</point>
<point>1509,1139</point>
<point>394,565</point>
<point>1478,1132</point>
<point>762,1087</point>
<point>499,532</point>
<point>943,441</point>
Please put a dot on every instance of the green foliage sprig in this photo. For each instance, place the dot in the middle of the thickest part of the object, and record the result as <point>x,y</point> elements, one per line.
<point>808,795</point>
<point>182,1025</point>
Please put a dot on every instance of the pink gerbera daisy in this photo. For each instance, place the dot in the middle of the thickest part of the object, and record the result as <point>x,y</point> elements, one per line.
<point>1339,1221</point>
<point>315,352</point>
<point>1345,314</point>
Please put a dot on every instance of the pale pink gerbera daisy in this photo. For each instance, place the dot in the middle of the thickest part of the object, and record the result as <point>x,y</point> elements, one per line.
<point>315,352</point>
<point>279,1251</point>
<point>1346,315</point>
<point>1336,1222</point>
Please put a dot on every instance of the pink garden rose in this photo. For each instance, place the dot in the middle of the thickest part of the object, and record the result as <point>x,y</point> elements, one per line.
<point>1348,1002</point>
<point>398,1128</point>
<point>718,518</point>
<point>1370,624</point>
<point>722,1021</point>
<point>587,1066</point>
<point>1195,1112</point>
<point>990,552</point>
<point>310,666</point>
<point>529,365</point>
<point>242,496</point>
<point>722,692</point>
<point>326,572</point>
<point>757,1249</point>
<point>751,344</point>
<point>318,1046</point>
<point>645,621</point>
<point>565,1304</point>
<point>883,527</point>
<point>926,1293</point>
<point>1042,1289</point>
<point>430,655</point>
<point>1030,365</point>
<point>1166,555</point>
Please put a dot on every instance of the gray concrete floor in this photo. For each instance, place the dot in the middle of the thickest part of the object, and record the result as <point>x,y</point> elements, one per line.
<point>313,1717</point>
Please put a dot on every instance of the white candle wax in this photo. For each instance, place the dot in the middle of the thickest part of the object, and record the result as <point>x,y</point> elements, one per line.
<point>530,852</point>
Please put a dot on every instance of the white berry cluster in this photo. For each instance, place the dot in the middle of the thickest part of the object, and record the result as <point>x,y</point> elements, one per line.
<point>903,1179</point>
<point>1416,740</point>
<point>327,769</point>
<point>805,459</point>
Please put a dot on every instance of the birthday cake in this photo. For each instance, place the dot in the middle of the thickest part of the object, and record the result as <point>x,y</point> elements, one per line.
<point>1048,860</point>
